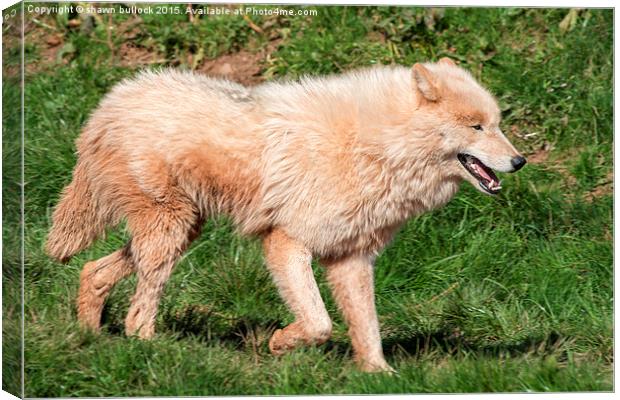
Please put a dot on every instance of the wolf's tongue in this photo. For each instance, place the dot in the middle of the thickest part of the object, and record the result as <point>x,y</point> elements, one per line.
<point>481,170</point>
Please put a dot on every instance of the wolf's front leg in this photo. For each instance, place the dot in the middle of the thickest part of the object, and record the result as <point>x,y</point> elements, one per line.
<point>289,263</point>
<point>352,283</point>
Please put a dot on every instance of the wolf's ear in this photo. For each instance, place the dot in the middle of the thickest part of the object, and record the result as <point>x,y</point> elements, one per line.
<point>447,61</point>
<point>425,82</point>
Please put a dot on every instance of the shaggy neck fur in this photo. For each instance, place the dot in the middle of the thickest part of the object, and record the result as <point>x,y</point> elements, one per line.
<point>397,137</point>
<point>358,141</point>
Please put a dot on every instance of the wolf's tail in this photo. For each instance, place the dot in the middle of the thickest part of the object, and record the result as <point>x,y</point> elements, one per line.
<point>76,222</point>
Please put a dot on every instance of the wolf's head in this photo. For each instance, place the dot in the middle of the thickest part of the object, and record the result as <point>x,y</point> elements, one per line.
<point>467,118</point>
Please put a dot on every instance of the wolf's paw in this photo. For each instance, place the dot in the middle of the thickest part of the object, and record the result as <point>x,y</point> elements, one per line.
<point>375,366</point>
<point>141,332</point>
<point>90,298</point>
<point>298,334</point>
<point>283,341</point>
<point>138,324</point>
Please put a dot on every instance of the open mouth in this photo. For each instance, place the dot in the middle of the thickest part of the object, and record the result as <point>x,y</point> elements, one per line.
<point>485,175</point>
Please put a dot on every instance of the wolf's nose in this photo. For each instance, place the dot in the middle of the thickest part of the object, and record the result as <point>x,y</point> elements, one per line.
<point>518,163</point>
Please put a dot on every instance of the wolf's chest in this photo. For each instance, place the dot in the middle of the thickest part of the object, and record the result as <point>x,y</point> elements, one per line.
<point>368,226</point>
<point>402,203</point>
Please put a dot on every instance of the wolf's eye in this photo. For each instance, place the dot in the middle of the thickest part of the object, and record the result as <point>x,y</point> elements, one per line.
<point>477,127</point>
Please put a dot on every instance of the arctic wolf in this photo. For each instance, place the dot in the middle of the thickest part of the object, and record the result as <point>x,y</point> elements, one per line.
<point>326,168</point>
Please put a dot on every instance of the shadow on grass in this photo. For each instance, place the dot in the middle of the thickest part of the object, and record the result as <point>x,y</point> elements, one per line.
<point>446,342</point>
<point>205,324</point>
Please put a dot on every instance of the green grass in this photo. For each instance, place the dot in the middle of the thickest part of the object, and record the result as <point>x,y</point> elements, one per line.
<point>512,293</point>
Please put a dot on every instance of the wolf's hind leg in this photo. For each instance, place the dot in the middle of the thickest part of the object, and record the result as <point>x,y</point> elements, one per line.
<point>289,264</point>
<point>159,238</point>
<point>96,281</point>
<point>351,280</point>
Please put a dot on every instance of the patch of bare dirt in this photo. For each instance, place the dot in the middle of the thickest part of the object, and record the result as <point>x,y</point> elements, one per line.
<point>132,56</point>
<point>48,43</point>
<point>10,42</point>
<point>541,155</point>
<point>49,46</point>
<point>604,188</point>
<point>129,53</point>
<point>53,47</point>
<point>11,37</point>
<point>49,51</point>
<point>243,66</point>
<point>376,36</point>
